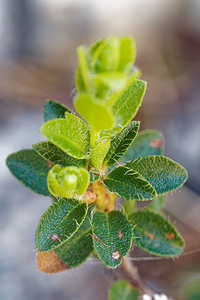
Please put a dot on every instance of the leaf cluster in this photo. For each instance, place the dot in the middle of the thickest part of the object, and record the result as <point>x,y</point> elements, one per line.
<point>86,163</point>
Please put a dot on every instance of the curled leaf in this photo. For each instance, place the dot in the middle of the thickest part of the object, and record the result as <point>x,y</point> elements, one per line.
<point>68,181</point>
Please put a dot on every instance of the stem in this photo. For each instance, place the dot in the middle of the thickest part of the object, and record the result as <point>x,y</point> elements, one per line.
<point>132,272</point>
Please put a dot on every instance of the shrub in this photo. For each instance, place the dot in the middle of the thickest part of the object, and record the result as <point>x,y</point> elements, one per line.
<point>86,164</point>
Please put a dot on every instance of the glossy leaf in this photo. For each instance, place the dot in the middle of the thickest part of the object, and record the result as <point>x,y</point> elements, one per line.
<point>29,168</point>
<point>126,106</point>
<point>54,110</point>
<point>59,223</point>
<point>121,142</point>
<point>123,290</point>
<point>68,182</point>
<point>98,154</point>
<point>96,114</point>
<point>112,236</point>
<point>129,184</point>
<point>147,142</point>
<point>163,173</point>
<point>155,234</point>
<point>71,135</point>
<point>56,156</point>
<point>127,54</point>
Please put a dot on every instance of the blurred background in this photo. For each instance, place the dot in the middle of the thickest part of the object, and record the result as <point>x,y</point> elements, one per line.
<point>38,39</point>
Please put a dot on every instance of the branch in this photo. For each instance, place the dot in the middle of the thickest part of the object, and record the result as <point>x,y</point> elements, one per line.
<point>132,272</point>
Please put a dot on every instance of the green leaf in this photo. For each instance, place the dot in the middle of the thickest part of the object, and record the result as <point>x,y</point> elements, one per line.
<point>121,142</point>
<point>29,168</point>
<point>155,234</point>
<point>147,142</point>
<point>107,55</point>
<point>112,237</point>
<point>158,203</point>
<point>122,290</point>
<point>77,249</point>
<point>93,52</point>
<point>70,134</point>
<point>163,173</point>
<point>55,155</point>
<point>96,113</point>
<point>107,82</point>
<point>82,75</point>
<point>127,54</point>
<point>67,182</point>
<point>54,110</point>
<point>126,107</point>
<point>98,154</point>
<point>59,223</point>
<point>192,290</point>
<point>129,184</point>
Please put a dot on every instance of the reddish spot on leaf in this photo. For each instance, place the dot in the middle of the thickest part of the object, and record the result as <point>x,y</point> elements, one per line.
<point>120,234</point>
<point>94,236</point>
<point>54,237</point>
<point>150,235</point>
<point>49,163</point>
<point>157,143</point>
<point>170,236</point>
<point>116,255</point>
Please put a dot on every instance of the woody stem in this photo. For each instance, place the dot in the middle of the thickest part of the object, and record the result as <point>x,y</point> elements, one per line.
<point>132,272</point>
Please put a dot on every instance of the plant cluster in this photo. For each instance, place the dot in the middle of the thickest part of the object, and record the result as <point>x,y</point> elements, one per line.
<point>86,163</point>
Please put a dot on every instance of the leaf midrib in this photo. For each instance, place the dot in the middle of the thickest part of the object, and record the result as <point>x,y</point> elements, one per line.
<point>144,179</point>
<point>77,146</point>
<point>120,139</point>
<point>123,102</point>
